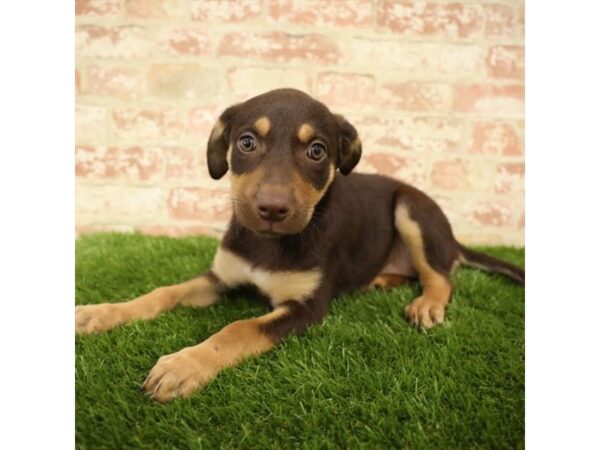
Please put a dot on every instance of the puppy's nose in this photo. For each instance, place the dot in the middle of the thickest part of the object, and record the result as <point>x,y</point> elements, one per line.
<point>272,207</point>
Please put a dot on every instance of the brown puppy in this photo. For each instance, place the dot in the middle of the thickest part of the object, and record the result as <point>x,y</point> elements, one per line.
<point>302,234</point>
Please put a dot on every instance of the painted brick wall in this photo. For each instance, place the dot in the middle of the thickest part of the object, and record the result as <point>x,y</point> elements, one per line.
<point>435,89</point>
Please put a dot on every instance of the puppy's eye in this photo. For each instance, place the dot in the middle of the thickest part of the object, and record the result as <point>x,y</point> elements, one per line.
<point>246,143</point>
<point>316,151</point>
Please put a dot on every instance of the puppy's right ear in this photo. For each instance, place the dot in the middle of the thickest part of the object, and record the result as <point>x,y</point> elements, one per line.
<point>350,147</point>
<point>218,143</point>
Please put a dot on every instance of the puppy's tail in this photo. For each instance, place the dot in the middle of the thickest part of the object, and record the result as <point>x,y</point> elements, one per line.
<point>471,258</point>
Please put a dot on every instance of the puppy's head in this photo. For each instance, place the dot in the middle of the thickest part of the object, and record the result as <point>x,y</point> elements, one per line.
<point>282,149</point>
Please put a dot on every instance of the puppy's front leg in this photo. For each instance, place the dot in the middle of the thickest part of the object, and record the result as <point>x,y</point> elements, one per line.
<point>201,291</point>
<point>180,374</point>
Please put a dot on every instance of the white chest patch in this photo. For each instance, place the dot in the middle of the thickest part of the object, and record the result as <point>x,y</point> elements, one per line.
<point>279,286</point>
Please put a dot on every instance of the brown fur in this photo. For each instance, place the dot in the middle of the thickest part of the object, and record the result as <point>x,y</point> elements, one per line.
<point>302,234</point>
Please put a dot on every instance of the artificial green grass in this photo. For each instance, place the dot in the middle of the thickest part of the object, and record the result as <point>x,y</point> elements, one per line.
<point>362,379</point>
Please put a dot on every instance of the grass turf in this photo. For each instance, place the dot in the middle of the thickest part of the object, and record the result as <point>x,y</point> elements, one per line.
<point>363,379</point>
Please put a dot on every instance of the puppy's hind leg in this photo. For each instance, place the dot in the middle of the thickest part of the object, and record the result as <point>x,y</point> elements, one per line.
<point>433,252</point>
<point>388,281</point>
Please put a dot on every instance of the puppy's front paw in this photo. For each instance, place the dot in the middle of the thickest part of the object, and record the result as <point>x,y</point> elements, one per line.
<point>96,318</point>
<point>180,374</point>
<point>425,312</point>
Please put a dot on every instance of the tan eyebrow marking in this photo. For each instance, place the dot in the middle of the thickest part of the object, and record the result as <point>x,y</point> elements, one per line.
<point>305,133</point>
<point>262,126</point>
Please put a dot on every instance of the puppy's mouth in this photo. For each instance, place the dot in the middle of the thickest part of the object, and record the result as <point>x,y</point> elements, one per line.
<point>269,233</point>
<point>277,229</point>
<point>291,225</point>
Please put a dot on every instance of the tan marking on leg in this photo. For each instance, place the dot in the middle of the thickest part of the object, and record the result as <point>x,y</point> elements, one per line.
<point>388,280</point>
<point>199,292</point>
<point>182,373</point>
<point>279,286</point>
<point>305,133</point>
<point>262,126</point>
<point>428,309</point>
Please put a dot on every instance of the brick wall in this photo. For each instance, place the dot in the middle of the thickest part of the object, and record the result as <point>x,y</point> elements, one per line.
<point>435,89</point>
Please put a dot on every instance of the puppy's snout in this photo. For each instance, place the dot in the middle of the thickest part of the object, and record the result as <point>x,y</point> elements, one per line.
<point>272,206</point>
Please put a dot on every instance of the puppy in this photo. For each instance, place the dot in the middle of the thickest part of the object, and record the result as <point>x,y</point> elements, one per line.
<point>304,230</point>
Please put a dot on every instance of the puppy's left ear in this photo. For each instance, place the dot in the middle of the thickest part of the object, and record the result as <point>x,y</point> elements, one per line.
<point>218,143</point>
<point>350,147</point>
